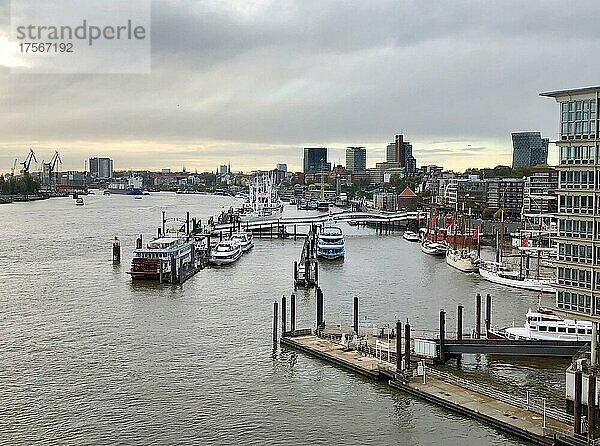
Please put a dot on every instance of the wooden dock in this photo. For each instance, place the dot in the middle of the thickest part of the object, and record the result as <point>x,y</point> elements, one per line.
<point>489,406</point>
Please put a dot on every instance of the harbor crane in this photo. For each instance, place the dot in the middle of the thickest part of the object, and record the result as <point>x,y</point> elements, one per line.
<point>12,171</point>
<point>27,162</point>
<point>50,168</point>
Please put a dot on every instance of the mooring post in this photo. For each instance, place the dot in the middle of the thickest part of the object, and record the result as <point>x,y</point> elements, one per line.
<point>158,233</point>
<point>295,273</point>
<point>591,403</point>
<point>275,314</point>
<point>138,242</point>
<point>488,313</point>
<point>577,402</point>
<point>293,313</point>
<point>316,272</point>
<point>442,354</point>
<point>356,315</point>
<point>220,236</point>
<point>459,322</point>
<point>160,271</point>
<point>187,223</point>
<point>116,251</point>
<point>478,317</point>
<point>164,220</point>
<point>407,345</point>
<point>173,269</point>
<point>319,308</point>
<point>398,346</point>
<point>307,272</point>
<point>283,316</point>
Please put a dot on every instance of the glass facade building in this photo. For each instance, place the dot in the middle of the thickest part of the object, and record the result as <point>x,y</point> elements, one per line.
<point>356,159</point>
<point>578,192</point>
<point>529,149</point>
<point>315,160</point>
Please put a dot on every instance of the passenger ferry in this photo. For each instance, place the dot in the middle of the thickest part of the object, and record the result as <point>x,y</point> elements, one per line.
<point>244,239</point>
<point>330,243</point>
<point>146,262</point>
<point>226,252</point>
<point>543,324</point>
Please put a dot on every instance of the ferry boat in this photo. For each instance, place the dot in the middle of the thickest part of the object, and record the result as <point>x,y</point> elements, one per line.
<point>330,243</point>
<point>226,252</point>
<point>543,324</point>
<point>263,201</point>
<point>146,262</point>
<point>410,236</point>
<point>504,274</point>
<point>79,202</point>
<point>244,239</point>
<point>463,260</point>
<point>433,248</point>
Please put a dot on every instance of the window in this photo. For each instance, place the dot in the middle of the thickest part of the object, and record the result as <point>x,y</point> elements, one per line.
<point>581,331</point>
<point>543,328</point>
<point>571,330</point>
<point>578,119</point>
<point>552,329</point>
<point>562,330</point>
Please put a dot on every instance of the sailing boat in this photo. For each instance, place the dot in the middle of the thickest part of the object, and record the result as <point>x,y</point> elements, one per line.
<point>463,258</point>
<point>503,273</point>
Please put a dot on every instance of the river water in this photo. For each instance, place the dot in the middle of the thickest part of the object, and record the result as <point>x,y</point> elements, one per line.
<point>88,357</point>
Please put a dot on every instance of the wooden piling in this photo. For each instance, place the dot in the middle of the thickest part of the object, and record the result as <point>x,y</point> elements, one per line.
<point>295,232</point>
<point>442,354</point>
<point>488,313</point>
<point>187,223</point>
<point>478,317</point>
<point>459,322</point>
<point>591,403</point>
<point>275,314</point>
<point>406,345</point>
<point>295,273</point>
<point>138,242</point>
<point>283,316</point>
<point>398,346</point>
<point>577,402</point>
<point>320,321</point>
<point>316,273</point>
<point>293,313</point>
<point>116,251</point>
<point>356,315</point>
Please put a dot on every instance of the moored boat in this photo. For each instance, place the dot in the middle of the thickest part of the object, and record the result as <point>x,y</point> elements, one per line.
<point>159,254</point>
<point>244,239</point>
<point>330,243</point>
<point>433,248</point>
<point>79,202</point>
<point>504,274</point>
<point>226,252</point>
<point>410,236</point>
<point>543,324</point>
<point>462,259</point>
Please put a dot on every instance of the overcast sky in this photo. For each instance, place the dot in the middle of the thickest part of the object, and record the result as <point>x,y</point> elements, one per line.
<point>252,82</point>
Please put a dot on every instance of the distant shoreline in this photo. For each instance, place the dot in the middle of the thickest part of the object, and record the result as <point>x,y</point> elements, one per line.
<point>7,199</point>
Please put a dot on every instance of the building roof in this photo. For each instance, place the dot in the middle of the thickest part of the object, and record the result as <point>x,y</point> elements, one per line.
<point>407,193</point>
<point>583,90</point>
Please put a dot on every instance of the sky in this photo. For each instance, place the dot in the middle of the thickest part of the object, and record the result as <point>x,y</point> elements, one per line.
<point>253,82</point>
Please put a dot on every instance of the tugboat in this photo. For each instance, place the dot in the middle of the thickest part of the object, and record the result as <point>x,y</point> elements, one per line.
<point>330,243</point>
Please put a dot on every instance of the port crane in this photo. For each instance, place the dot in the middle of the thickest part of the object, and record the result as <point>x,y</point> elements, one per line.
<point>27,162</point>
<point>50,167</point>
<point>12,171</point>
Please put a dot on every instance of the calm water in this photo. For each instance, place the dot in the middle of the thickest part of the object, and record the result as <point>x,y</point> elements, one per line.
<point>88,357</point>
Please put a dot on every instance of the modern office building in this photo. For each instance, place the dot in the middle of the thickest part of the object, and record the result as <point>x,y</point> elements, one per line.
<point>505,193</point>
<point>101,167</point>
<point>578,265</point>
<point>315,160</point>
<point>403,154</point>
<point>282,167</point>
<point>390,153</point>
<point>529,149</point>
<point>539,192</point>
<point>356,159</point>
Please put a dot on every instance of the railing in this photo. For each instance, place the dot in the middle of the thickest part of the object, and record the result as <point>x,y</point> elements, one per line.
<point>534,404</point>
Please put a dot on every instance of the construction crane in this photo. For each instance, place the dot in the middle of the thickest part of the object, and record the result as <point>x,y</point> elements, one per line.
<point>27,162</point>
<point>12,171</point>
<point>50,167</point>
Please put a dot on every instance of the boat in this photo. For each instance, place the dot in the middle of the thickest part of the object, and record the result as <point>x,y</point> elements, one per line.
<point>79,202</point>
<point>330,242</point>
<point>226,252</point>
<point>159,254</point>
<point>263,201</point>
<point>106,192</point>
<point>433,248</point>
<point>244,239</point>
<point>463,260</point>
<point>504,274</point>
<point>353,222</point>
<point>410,236</point>
<point>543,324</point>
<point>137,197</point>
<point>323,205</point>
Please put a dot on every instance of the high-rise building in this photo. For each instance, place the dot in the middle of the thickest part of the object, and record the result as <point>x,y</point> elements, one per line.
<point>281,167</point>
<point>101,167</point>
<point>356,159</point>
<point>578,267</point>
<point>404,156</point>
<point>223,169</point>
<point>505,193</point>
<point>390,153</point>
<point>315,160</point>
<point>539,193</point>
<point>529,149</point>
<point>399,148</point>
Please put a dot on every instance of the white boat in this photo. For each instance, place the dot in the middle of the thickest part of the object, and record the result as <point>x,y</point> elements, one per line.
<point>160,253</point>
<point>543,324</point>
<point>227,251</point>
<point>330,242</point>
<point>433,248</point>
<point>504,274</point>
<point>244,239</point>
<point>79,202</point>
<point>410,236</point>
<point>463,260</point>
<point>263,201</point>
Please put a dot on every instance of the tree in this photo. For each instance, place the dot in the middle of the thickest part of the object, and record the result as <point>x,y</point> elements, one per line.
<point>498,215</point>
<point>487,213</point>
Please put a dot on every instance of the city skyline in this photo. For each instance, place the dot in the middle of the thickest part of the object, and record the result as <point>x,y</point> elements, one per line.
<point>235,94</point>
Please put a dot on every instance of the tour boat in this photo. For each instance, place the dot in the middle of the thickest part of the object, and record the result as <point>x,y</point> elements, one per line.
<point>227,251</point>
<point>543,324</point>
<point>263,201</point>
<point>244,239</point>
<point>505,275</point>
<point>161,253</point>
<point>79,202</point>
<point>463,260</point>
<point>330,243</point>
<point>433,248</point>
<point>353,222</point>
<point>410,236</point>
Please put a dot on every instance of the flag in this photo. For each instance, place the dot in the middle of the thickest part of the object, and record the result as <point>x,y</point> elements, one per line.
<point>525,241</point>
<point>476,234</point>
